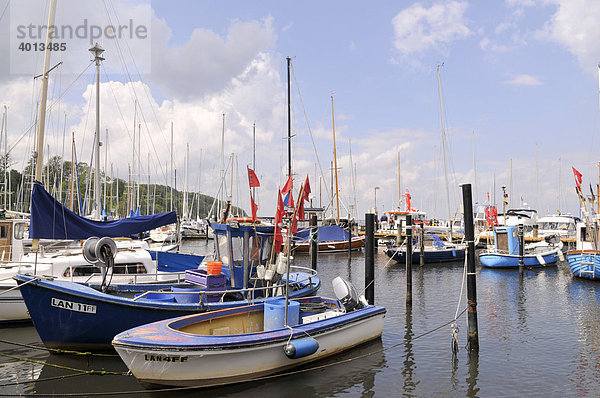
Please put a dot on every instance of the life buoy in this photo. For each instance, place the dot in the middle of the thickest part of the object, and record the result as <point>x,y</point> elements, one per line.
<point>247,220</point>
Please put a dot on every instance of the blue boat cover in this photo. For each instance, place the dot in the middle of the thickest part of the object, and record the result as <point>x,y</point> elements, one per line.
<point>51,220</point>
<point>327,233</point>
<point>175,262</point>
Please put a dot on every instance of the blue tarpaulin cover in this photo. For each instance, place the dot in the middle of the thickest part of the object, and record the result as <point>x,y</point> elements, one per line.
<point>175,262</point>
<point>327,233</point>
<point>51,220</point>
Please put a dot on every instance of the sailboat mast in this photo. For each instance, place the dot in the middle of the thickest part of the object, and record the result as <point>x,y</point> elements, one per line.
<point>474,169</point>
<point>399,186</point>
<point>254,154</point>
<point>337,197</point>
<point>105,169</point>
<point>511,185</point>
<point>171,209</point>
<point>44,96</point>
<point>97,51</point>
<point>72,171</point>
<point>139,167</point>
<point>444,151</point>
<point>289,109</point>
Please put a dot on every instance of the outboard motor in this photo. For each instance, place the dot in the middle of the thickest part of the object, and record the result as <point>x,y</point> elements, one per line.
<point>553,239</point>
<point>345,292</point>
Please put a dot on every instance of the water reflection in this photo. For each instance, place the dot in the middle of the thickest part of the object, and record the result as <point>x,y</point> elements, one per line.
<point>409,359</point>
<point>63,374</point>
<point>473,375</point>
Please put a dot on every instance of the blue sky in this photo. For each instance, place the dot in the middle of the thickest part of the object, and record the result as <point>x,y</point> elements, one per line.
<point>519,81</point>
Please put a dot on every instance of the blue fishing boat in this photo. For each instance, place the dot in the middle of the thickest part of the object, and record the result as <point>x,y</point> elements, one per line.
<point>72,315</point>
<point>434,249</point>
<point>505,252</point>
<point>244,343</point>
<point>585,259</point>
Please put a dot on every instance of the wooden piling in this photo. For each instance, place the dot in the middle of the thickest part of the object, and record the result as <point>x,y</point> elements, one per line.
<point>473,337</point>
<point>422,245</point>
<point>521,244</point>
<point>349,238</point>
<point>409,260</point>
<point>314,241</point>
<point>370,258</point>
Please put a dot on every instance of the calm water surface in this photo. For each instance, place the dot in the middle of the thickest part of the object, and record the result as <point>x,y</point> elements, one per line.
<point>538,335</point>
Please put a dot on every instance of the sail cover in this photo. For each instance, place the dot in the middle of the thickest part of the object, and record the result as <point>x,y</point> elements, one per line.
<point>327,233</point>
<point>51,220</point>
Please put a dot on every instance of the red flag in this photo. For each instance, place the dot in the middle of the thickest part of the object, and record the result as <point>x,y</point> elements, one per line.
<point>306,193</point>
<point>578,176</point>
<point>254,207</point>
<point>252,178</point>
<point>278,237</point>
<point>288,185</point>
<point>301,210</point>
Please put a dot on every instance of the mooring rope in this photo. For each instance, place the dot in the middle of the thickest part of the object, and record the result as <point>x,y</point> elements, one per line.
<point>58,350</point>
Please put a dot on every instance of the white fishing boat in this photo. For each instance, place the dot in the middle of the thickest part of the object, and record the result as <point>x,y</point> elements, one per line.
<point>244,343</point>
<point>563,225</point>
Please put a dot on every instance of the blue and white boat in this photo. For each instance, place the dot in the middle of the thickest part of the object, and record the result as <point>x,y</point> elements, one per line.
<point>133,262</point>
<point>585,259</point>
<point>241,344</point>
<point>505,252</point>
<point>434,249</point>
<point>72,315</point>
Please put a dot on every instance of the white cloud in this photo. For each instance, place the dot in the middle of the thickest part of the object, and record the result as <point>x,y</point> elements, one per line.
<point>575,26</point>
<point>207,61</point>
<point>524,80</point>
<point>418,29</point>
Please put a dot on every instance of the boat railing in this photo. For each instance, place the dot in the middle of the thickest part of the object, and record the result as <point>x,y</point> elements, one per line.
<point>250,294</point>
<point>177,276</point>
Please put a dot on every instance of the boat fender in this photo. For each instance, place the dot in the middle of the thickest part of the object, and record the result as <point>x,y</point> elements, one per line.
<point>269,274</point>
<point>540,259</point>
<point>560,255</point>
<point>453,253</point>
<point>301,348</point>
<point>282,263</point>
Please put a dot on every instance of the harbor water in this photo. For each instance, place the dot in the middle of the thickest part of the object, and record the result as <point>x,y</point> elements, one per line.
<point>539,334</point>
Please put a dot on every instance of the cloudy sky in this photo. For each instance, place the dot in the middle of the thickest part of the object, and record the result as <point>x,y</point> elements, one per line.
<point>519,83</point>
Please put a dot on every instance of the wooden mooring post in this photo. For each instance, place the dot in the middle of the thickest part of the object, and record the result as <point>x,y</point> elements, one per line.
<point>408,260</point>
<point>314,241</point>
<point>422,245</point>
<point>370,258</point>
<point>349,238</point>
<point>521,244</point>
<point>473,337</point>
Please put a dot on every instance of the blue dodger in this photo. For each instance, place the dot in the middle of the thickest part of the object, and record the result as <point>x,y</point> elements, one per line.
<point>301,348</point>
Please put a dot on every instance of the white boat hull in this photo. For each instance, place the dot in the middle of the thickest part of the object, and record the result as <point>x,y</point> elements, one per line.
<point>214,366</point>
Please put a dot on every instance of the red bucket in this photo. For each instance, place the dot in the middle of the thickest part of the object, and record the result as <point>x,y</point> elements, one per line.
<point>213,267</point>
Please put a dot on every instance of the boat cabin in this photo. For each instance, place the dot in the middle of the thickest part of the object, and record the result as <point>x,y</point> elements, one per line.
<point>241,247</point>
<point>506,240</point>
<point>12,234</point>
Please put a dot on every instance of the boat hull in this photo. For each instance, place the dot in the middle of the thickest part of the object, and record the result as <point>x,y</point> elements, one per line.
<point>332,246</point>
<point>215,360</point>
<point>431,256</point>
<point>584,263</point>
<point>495,260</point>
<point>67,315</point>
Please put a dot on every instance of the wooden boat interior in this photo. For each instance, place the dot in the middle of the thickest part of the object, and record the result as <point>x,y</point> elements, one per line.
<point>252,320</point>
